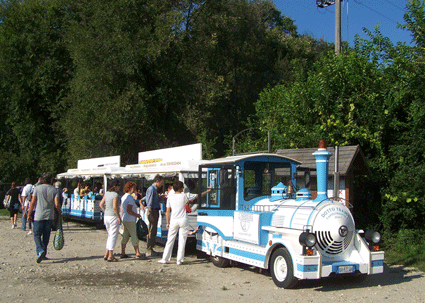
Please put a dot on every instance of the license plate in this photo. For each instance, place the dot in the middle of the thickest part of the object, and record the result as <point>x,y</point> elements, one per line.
<point>345,269</point>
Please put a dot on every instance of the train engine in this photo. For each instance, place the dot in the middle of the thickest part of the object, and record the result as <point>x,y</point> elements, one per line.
<point>247,219</point>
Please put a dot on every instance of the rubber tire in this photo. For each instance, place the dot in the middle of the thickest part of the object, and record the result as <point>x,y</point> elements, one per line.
<point>220,262</point>
<point>281,269</point>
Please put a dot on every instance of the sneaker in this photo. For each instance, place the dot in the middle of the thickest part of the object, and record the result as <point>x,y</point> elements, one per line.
<point>162,261</point>
<point>41,256</point>
<point>13,226</point>
<point>29,233</point>
<point>179,262</point>
<point>16,225</point>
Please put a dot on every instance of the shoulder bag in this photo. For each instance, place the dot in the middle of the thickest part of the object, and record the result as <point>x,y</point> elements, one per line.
<point>59,240</point>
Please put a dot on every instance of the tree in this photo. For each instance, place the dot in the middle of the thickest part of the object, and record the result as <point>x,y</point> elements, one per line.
<point>119,95</point>
<point>34,73</point>
<point>372,96</point>
<point>235,49</point>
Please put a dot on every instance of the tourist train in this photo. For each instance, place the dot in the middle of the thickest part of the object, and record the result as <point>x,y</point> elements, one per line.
<point>254,214</point>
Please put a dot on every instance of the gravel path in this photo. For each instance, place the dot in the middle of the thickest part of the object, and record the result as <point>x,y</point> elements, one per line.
<point>79,273</point>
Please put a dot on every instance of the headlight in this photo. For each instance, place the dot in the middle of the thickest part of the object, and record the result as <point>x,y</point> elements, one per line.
<point>372,236</point>
<point>307,239</point>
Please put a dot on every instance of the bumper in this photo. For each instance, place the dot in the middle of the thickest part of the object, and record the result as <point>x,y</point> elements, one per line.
<point>312,267</point>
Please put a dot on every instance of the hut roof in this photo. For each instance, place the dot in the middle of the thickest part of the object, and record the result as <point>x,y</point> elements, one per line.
<point>350,159</point>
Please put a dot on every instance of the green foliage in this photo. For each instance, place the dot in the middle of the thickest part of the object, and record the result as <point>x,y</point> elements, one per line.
<point>235,49</point>
<point>82,79</point>
<point>34,72</point>
<point>114,104</point>
<point>340,101</point>
<point>371,96</point>
<point>406,247</point>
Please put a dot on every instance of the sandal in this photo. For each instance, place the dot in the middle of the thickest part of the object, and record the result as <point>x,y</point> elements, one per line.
<point>141,257</point>
<point>105,258</point>
<point>123,256</point>
<point>112,260</point>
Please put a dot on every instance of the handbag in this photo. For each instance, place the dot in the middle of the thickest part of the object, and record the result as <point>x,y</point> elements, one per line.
<point>59,240</point>
<point>6,203</point>
<point>141,228</point>
<point>187,206</point>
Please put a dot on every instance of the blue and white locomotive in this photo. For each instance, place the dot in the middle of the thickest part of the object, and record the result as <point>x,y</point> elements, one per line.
<point>247,219</point>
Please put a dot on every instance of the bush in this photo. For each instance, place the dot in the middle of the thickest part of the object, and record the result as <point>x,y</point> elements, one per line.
<point>407,247</point>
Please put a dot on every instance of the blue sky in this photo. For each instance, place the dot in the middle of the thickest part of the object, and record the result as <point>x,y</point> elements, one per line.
<point>356,14</point>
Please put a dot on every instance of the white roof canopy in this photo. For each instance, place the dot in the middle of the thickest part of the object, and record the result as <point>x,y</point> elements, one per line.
<point>87,173</point>
<point>169,162</point>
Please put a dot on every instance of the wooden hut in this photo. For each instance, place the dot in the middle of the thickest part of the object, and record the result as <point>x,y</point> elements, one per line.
<point>350,163</point>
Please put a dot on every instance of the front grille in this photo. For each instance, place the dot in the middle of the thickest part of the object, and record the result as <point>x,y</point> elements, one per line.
<point>328,245</point>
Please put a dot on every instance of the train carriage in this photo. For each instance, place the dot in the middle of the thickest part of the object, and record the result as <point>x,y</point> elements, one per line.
<point>86,208</point>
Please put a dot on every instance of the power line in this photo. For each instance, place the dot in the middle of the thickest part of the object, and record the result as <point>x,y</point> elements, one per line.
<point>361,3</point>
<point>396,5</point>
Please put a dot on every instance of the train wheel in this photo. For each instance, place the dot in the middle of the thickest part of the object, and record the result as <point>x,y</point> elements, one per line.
<point>282,270</point>
<point>220,262</point>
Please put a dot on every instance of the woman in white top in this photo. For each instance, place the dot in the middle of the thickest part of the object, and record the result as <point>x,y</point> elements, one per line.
<point>110,205</point>
<point>129,218</point>
<point>176,222</point>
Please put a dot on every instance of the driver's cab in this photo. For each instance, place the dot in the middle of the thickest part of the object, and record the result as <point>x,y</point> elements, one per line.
<point>243,180</point>
<point>237,184</point>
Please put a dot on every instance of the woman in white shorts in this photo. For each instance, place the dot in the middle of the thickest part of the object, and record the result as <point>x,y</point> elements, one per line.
<point>110,205</point>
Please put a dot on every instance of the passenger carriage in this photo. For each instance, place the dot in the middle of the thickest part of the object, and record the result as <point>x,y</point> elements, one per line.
<point>87,208</point>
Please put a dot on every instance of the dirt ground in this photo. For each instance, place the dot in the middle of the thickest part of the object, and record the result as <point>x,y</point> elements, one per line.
<point>79,273</point>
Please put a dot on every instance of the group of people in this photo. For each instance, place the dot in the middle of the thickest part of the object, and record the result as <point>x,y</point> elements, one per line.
<point>82,190</point>
<point>39,204</point>
<point>126,213</point>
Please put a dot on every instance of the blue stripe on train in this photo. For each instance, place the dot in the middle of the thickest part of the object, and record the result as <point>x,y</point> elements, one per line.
<point>246,254</point>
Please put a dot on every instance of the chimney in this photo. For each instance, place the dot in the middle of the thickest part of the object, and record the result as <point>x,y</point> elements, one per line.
<point>322,167</point>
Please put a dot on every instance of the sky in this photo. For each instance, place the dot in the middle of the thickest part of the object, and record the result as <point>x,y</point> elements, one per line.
<point>355,14</point>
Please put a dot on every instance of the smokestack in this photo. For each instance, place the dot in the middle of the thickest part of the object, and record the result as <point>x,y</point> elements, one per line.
<point>322,167</point>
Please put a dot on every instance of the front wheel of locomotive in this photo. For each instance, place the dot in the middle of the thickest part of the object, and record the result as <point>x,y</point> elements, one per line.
<point>281,269</point>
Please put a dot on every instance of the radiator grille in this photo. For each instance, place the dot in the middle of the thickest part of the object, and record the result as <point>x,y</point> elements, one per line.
<point>327,244</point>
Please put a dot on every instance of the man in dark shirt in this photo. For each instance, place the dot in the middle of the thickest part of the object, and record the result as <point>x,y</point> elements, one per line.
<point>152,213</point>
<point>13,196</point>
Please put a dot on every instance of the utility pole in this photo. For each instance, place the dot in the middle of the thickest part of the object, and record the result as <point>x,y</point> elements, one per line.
<point>337,27</point>
<point>325,3</point>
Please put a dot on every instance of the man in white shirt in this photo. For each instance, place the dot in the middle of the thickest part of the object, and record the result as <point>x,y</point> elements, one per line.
<point>77,191</point>
<point>25,201</point>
